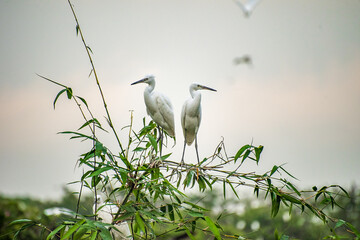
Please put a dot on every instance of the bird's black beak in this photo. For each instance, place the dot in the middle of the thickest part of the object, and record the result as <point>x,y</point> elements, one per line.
<point>207,88</point>
<point>140,81</point>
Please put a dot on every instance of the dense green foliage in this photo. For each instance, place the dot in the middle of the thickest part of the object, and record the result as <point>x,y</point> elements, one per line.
<point>237,216</point>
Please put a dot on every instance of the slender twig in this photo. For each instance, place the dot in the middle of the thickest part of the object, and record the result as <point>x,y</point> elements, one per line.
<point>88,50</point>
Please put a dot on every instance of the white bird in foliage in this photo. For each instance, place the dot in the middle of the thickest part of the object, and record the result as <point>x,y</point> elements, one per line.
<point>247,7</point>
<point>158,107</point>
<point>191,117</point>
<point>105,213</point>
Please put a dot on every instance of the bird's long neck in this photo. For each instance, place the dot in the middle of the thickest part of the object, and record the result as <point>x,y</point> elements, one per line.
<point>148,90</point>
<point>151,86</point>
<point>196,96</point>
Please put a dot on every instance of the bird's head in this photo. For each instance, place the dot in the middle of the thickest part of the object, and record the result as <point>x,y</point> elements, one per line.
<point>196,86</point>
<point>150,79</point>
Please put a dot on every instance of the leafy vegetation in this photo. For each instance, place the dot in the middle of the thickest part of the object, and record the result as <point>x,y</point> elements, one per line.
<point>146,187</point>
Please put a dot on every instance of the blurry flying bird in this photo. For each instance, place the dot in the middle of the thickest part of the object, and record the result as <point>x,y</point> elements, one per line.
<point>158,107</point>
<point>246,59</point>
<point>247,7</point>
<point>106,212</point>
<point>191,117</point>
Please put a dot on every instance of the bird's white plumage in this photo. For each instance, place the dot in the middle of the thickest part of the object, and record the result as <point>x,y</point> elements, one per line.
<point>158,106</point>
<point>248,6</point>
<point>191,116</point>
<point>106,212</point>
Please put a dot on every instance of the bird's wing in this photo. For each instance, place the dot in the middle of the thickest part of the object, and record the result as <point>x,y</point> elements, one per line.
<point>166,111</point>
<point>251,4</point>
<point>190,121</point>
<point>123,231</point>
<point>106,212</point>
<point>248,7</point>
<point>240,4</point>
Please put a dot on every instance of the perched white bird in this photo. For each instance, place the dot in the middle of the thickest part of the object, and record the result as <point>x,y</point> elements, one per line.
<point>191,117</point>
<point>106,212</point>
<point>247,7</point>
<point>158,107</point>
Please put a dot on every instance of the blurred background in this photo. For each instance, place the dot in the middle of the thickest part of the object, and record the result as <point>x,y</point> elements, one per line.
<point>287,78</point>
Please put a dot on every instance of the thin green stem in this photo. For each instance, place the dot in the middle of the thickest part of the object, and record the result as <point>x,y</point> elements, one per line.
<point>88,50</point>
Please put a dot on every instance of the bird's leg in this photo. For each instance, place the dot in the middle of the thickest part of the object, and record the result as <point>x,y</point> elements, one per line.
<point>159,134</point>
<point>182,158</point>
<point>161,140</point>
<point>196,148</point>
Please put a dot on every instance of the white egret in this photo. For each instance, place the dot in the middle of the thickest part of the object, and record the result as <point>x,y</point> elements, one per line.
<point>158,107</point>
<point>247,7</point>
<point>106,212</point>
<point>191,117</point>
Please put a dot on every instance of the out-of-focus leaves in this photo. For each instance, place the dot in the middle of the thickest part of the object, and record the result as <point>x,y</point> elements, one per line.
<point>213,227</point>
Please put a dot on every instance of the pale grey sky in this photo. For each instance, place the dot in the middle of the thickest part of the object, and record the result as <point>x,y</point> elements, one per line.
<point>300,99</point>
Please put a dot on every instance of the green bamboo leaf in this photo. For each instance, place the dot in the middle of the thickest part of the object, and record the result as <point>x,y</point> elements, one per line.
<point>188,178</point>
<point>140,221</point>
<point>321,191</point>
<point>171,212</point>
<point>258,151</point>
<point>75,227</point>
<point>273,170</point>
<point>275,205</point>
<point>246,154</point>
<point>232,187</point>
<point>58,95</point>
<point>193,205</point>
<point>94,120</point>
<point>293,188</point>
<point>291,199</point>
<point>256,190</point>
<point>99,171</point>
<point>69,93</point>
<point>139,149</point>
<point>213,227</point>
<point>339,223</point>
<point>105,234</point>
<point>342,189</point>
<point>20,221</point>
<point>201,183</point>
<point>77,135</point>
<point>189,233</point>
<point>83,100</point>
<point>54,232</point>
<point>153,142</point>
<point>287,173</point>
<point>93,236</point>
<point>164,157</point>
<point>208,183</point>
<point>195,214</point>
<point>80,233</point>
<point>241,150</point>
